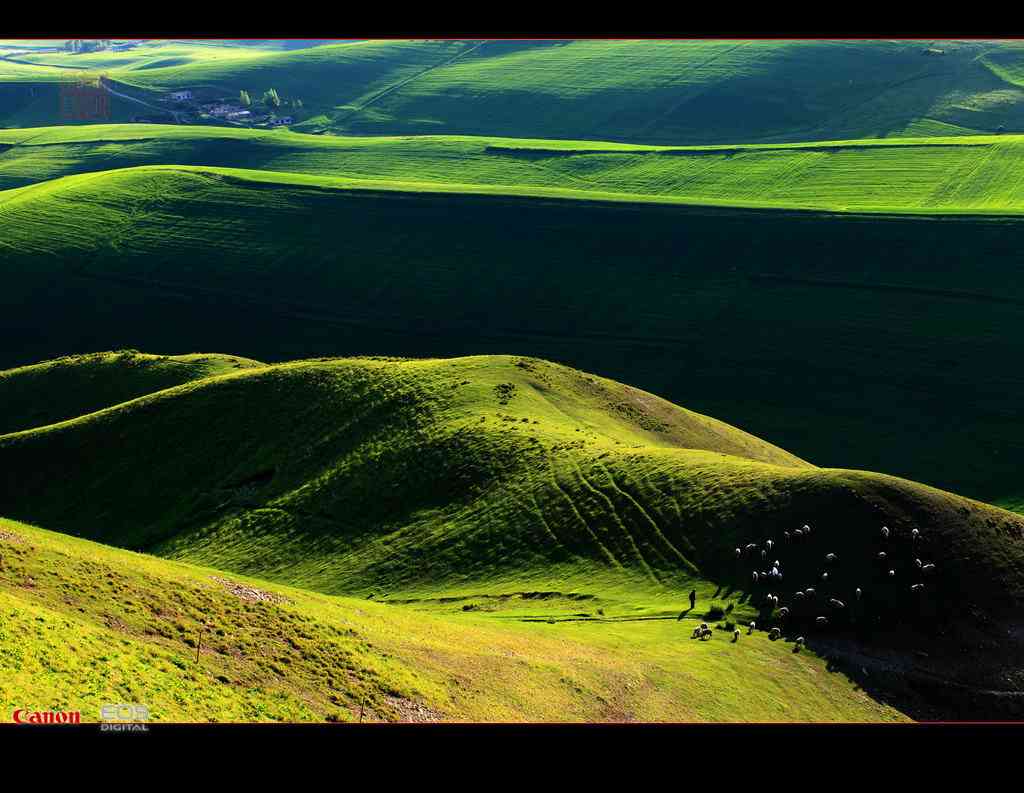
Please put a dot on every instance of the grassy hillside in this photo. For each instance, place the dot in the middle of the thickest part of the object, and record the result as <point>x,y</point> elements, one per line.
<point>955,175</point>
<point>328,79</point>
<point>484,485</point>
<point>325,426</point>
<point>85,625</point>
<point>29,103</point>
<point>701,91</point>
<point>151,54</point>
<point>491,470</point>
<point>45,393</point>
<point>885,338</point>
<point>673,92</point>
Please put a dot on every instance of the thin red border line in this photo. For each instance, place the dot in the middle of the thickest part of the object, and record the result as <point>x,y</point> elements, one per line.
<point>471,36</point>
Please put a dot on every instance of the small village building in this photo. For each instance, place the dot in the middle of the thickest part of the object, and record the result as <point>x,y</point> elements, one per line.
<point>220,110</point>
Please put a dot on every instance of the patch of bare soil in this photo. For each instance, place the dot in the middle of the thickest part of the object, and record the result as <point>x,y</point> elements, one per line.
<point>115,623</point>
<point>9,537</point>
<point>246,592</point>
<point>413,711</point>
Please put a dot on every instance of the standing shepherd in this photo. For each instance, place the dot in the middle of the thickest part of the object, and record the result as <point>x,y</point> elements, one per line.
<point>693,598</point>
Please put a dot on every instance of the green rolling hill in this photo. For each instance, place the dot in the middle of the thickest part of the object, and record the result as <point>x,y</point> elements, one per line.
<point>674,92</point>
<point>926,175</point>
<point>885,338</point>
<point>68,387</point>
<point>401,495</point>
<point>85,624</point>
<point>439,484</point>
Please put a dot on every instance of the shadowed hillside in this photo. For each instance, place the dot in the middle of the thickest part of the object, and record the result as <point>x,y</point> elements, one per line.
<point>875,345</point>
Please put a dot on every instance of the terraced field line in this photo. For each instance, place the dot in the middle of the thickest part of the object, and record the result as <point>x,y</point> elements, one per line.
<point>650,518</point>
<point>618,519</point>
<point>572,506</point>
<point>523,501</point>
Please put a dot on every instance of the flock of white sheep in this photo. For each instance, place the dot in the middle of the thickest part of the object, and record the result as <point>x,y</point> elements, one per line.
<point>807,597</point>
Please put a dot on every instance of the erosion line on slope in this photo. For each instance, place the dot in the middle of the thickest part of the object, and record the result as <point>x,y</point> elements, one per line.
<point>615,515</point>
<point>572,506</point>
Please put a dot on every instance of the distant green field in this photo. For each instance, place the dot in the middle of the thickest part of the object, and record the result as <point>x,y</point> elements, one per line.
<point>885,339</point>
<point>673,92</point>
<point>933,175</point>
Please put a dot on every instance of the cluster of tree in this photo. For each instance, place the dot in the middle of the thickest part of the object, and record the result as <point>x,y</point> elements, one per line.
<point>270,99</point>
<point>87,45</point>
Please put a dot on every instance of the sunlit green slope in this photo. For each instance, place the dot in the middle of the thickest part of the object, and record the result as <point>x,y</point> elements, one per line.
<point>967,174</point>
<point>885,338</point>
<point>85,625</point>
<point>675,92</point>
<point>32,396</point>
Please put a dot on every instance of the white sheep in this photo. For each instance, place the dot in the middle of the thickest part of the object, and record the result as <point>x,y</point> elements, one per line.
<point>809,592</point>
<point>786,535</point>
<point>881,555</point>
<point>807,529</point>
<point>769,544</point>
<point>739,553</point>
<point>798,594</point>
<point>885,532</point>
<point>915,534</point>
<point>858,593</point>
<point>892,573</point>
<point>917,587</point>
<point>824,576</point>
<point>764,554</point>
<point>774,634</point>
<point>928,568</point>
<point>755,577</point>
<point>918,562</point>
<point>751,627</point>
<point>821,621</point>
<point>736,635</point>
<point>836,603</point>
<point>798,643</point>
<point>783,612</point>
<point>831,557</point>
